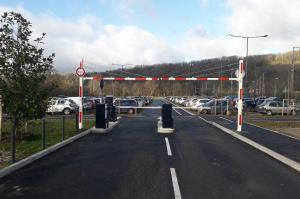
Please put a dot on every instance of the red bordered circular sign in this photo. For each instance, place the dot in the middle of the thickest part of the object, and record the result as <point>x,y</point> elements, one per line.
<point>80,72</point>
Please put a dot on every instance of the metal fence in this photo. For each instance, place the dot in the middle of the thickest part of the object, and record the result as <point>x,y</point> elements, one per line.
<point>36,135</point>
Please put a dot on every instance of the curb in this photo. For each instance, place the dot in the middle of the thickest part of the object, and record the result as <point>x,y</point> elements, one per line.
<point>22,163</point>
<point>283,159</point>
<point>160,129</point>
<point>103,131</point>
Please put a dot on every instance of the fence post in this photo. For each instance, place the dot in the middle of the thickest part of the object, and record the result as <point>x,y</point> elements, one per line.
<point>76,123</point>
<point>43,133</point>
<point>282,107</point>
<point>215,107</point>
<point>13,144</point>
<point>63,129</point>
<point>0,117</point>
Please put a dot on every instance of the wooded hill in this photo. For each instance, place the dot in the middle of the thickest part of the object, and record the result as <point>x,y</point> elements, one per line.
<point>267,75</point>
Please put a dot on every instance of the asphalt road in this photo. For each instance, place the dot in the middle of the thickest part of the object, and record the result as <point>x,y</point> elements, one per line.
<point>282,144</point>
<point>132,161</point>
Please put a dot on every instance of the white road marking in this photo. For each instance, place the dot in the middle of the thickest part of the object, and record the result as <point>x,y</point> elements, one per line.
<point>293,164</point>
<point>226,119</point>
<point>168,147</point>
<point>175,184</point>
<point>181,108</point>
<point>177,111</point>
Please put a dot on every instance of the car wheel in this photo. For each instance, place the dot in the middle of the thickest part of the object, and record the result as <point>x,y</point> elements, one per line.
<point>204,111</point>
<point>67,111</point>
<point>269,112</point>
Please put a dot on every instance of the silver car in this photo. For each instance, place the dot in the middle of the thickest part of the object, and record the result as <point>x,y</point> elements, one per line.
<point>275,107</point>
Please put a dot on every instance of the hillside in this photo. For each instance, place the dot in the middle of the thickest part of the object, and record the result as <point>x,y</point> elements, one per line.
<point>267,75</point>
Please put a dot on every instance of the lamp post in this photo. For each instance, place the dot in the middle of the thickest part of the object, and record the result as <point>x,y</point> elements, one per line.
<point>293,73</point>
<point>275,89</point>
<point>246,58</point>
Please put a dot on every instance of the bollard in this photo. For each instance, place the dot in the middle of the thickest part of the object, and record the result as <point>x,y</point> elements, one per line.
<point>43,133</point>
<point>63,129</point>
<point>166,115</point>
<point>101,116</point>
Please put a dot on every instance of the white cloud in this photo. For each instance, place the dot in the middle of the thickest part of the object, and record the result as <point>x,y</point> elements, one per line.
<point>97,43</point>
<point>88,38</point>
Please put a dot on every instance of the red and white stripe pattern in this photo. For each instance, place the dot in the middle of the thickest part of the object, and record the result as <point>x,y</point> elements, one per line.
<point>80,102</point>
<point>240,95</point>
<point>162,78</point>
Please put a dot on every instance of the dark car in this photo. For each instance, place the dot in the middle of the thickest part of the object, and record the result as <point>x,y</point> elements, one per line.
<point>249,105</point>
<point>126,106</point>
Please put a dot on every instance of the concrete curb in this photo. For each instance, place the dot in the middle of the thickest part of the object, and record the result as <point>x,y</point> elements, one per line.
<point>160,129</point>
<point>285,160</point>
<point>110,127</point>
<point>7,170</point>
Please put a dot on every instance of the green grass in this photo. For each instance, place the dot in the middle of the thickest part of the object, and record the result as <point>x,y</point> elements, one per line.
<point>31,142</point>
<point>277,124</point>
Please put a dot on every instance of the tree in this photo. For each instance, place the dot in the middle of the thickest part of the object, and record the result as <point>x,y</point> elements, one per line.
<point>23,69</point>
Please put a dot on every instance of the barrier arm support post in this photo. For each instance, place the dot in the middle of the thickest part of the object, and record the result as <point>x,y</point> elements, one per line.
<point>240,96</point>
<point>80,100</point>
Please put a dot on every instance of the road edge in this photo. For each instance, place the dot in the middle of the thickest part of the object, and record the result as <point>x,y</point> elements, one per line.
<point>283,159</point>
<point>24,162</point>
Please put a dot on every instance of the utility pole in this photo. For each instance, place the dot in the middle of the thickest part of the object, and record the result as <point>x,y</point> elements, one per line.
<point>263,85</point>
<point>293,72</point>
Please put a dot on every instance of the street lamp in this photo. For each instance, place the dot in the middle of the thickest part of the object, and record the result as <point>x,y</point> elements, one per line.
<point>247,41</point>
<point>293,72</point>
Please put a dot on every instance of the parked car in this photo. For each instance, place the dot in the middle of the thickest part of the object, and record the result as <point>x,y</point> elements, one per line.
<point>65,106</point>
<point>215,106</point>
<point>248,105</point>
<point>275,107</point>
<point>200,102</point>
<point>126,103</point>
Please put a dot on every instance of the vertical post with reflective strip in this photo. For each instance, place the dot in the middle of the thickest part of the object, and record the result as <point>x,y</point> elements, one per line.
<point>80,99</point>
<point>240,95</point>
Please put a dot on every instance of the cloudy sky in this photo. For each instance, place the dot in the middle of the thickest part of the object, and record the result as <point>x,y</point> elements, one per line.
<point>136,32</point>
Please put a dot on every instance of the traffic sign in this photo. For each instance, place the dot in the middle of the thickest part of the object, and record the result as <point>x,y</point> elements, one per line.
<point>80,72</point>
<point>237,73</point>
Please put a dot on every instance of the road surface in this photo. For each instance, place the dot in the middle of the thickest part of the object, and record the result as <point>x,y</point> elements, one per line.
<point>133,161</point>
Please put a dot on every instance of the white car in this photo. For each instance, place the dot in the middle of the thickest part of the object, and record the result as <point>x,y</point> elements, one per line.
<point>200,102</point>
<point>65,106</point>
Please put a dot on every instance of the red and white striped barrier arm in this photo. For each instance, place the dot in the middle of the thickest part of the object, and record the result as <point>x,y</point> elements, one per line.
<point>162,78</point>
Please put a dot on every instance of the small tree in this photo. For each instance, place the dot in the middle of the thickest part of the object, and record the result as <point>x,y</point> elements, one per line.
<point>23,69</point>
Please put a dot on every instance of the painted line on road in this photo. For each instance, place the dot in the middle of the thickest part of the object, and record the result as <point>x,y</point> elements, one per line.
<point>168,147</point>
<point>181,108</point>
<point>175,184</point>
<point>273,131</point>
<point>285,160</point>
<point>226,119</point>
<point>177,111</point>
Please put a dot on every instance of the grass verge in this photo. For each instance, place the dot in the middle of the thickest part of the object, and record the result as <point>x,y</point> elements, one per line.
<point>30,141</point>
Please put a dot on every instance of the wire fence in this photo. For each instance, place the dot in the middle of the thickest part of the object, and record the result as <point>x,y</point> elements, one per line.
<point>36,135</point>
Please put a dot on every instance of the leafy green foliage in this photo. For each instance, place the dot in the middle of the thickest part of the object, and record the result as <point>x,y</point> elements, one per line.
<point>23,69</point>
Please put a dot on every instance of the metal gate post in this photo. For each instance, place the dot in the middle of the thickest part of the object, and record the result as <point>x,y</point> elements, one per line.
<point>240,95</point>
<point>80,102</point>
